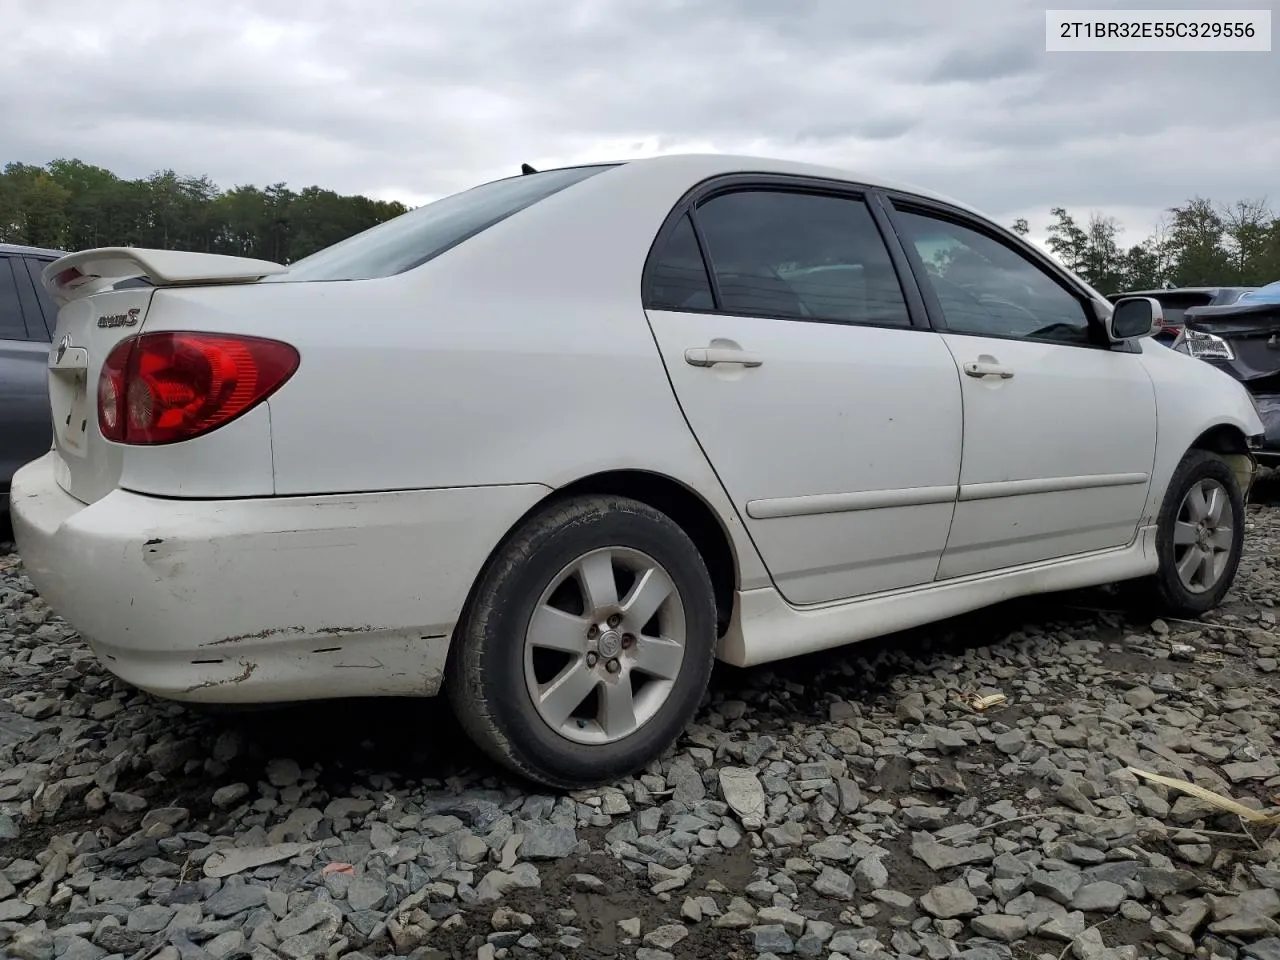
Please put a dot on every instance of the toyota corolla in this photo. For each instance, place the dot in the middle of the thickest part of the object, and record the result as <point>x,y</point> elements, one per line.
<point>554,444</point>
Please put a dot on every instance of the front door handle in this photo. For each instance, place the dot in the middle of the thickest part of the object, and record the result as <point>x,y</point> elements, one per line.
<point>980,368</point>
<point>709,356</point>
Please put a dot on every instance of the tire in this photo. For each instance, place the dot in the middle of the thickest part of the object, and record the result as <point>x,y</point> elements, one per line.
<point>501,684</point>
<point>1176,594</point>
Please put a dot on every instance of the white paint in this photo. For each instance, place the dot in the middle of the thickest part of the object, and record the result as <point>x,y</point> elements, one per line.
<point>433,409</point>
<point>1066,412</point>
<point>242,601</point>
<point>860,428</point>
<point>766,628</point>
<point>1192,397</point>
<point>91,465</point>
<point>102,266</point>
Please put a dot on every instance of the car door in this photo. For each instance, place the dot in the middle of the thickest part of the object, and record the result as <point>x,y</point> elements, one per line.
<point>827,408</point>
<point>25,428</point>
<point>1059,425</point>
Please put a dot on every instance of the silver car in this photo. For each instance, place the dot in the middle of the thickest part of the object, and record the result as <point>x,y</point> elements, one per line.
<point>27,317</point>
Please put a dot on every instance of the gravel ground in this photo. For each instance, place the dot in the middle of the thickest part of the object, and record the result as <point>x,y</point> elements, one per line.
<point>853,804</point>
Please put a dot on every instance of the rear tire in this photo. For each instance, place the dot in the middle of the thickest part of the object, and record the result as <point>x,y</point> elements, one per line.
<point>1199,536</point>
<point>587,645</point>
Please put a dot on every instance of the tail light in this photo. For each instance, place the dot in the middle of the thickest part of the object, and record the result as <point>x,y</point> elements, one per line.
<point>165,387</point>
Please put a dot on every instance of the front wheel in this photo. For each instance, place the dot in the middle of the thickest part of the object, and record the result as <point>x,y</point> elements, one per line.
<point>587,645</point>
<point>1199,535</point>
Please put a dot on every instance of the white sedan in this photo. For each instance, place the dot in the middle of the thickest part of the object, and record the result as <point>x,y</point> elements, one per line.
<point>554,444</point>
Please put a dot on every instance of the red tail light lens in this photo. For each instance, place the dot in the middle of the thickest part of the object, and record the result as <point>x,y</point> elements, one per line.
<point>166,387</point>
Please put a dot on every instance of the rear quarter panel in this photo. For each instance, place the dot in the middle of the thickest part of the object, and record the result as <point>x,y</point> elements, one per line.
<point>520,356</point>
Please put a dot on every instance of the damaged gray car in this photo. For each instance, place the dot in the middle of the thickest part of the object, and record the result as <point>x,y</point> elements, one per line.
<point>1243,338</point>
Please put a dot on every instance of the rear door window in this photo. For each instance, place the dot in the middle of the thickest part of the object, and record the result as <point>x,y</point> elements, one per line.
<point>678,280</point>
<point>796,255</point>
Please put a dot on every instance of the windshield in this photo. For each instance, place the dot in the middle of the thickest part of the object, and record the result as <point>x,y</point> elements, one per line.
<point>413,238</point>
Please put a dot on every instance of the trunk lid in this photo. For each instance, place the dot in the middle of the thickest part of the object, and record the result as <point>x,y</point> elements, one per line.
<point>1253,331</point>
<point>95,314</point>
<point>87,330</point>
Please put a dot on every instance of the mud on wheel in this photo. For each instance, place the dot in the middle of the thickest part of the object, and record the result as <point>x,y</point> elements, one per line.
<point>588,643</point>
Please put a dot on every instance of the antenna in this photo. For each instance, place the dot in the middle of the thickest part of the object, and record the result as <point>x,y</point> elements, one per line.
<point>526,169</point>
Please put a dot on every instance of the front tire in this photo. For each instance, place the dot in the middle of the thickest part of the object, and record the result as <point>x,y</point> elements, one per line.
<point>587,645</point>
<point>1199,535</point>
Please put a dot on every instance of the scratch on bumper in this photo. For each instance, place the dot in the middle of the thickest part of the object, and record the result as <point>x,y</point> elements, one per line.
<point>245,674</point>
<point>298,630</point>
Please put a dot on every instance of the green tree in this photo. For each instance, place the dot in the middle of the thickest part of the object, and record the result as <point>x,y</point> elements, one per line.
<point>1103,260</point>
<point>1067,241</point>
<point>33,206</point>
<point>1197,245</point>
<point>72,205</point>
<point>1141,267</point>
<point>1092,251</point>
<point>1248,228</point>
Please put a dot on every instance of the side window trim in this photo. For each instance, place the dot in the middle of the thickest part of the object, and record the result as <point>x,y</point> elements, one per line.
<point>717,301</point>
<point>879,206</point>
<point>850,190</point>
<point>906,203</point>
<point>659,247</point>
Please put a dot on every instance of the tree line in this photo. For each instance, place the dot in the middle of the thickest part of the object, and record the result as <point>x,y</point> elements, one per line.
<point>1197,244</point>
<point>72,205</point>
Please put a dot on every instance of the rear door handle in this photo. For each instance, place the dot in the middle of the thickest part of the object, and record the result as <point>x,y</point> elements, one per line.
<point>709,356</point>
<point>979,368</point>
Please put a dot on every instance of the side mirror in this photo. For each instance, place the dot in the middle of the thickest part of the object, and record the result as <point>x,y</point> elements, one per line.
<point>1134,317</point>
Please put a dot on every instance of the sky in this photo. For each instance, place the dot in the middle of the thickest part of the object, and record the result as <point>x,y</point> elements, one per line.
<point>414,99</point>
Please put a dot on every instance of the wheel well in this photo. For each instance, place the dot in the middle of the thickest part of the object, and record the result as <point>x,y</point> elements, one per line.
<point>688,510</point>
<point>1223,438</point>
<point>1229,442</point>
<point>674,499</point>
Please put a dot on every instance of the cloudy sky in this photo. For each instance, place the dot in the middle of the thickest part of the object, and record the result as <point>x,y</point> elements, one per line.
<point>410,99</point>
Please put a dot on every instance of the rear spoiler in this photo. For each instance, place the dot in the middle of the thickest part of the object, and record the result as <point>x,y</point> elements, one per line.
<point>79,275</point>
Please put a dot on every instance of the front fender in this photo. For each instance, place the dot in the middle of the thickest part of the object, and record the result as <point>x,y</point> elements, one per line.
<point>1195,400</point>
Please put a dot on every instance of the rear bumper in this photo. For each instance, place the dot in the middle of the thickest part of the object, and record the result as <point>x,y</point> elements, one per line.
<point>263,600</point>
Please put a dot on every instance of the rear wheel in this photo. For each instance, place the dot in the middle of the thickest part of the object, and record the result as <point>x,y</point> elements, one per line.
<point>1199,535</point>
<point>588,644</point>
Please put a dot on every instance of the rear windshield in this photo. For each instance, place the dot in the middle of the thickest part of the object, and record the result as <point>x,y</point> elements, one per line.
<point>415,237</point>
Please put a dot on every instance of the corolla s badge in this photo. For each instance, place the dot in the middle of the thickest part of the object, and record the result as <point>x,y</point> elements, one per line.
<point>127,319</point>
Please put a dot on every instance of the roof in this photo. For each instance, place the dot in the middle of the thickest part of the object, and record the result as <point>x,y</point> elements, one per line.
<point>12,249</point>
<point>702,165</point>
